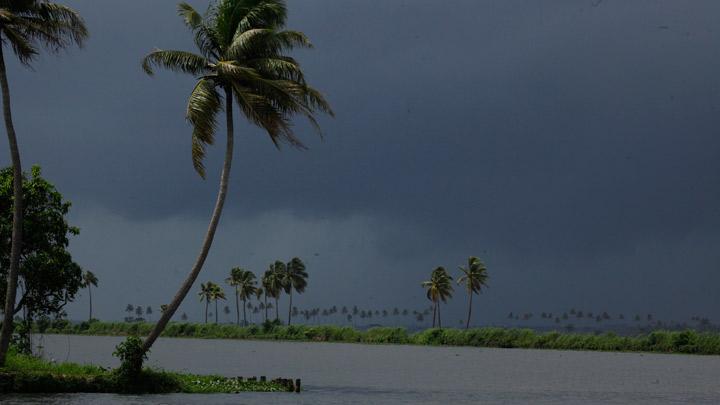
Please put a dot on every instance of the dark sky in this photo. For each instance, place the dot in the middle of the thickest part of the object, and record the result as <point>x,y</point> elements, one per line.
<point>573,145</point>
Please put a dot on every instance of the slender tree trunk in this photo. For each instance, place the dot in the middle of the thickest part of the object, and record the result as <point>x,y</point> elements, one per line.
<point>266,315</point>
<point>209,236</point>
<point>467,325</point>
<point>277,316</point>
<point>90,295</point>
<point>207,302</point>
<point>237,307</point>
<point>439,320</point>
<point>217,315</point>
<point>434,313</point>
<point>290,308</point>
<point>244,314</point>
<point>16,244</point>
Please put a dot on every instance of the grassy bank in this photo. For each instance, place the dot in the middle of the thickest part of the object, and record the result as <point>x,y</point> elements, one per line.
<point>26,374</point>
<point>690,342</point>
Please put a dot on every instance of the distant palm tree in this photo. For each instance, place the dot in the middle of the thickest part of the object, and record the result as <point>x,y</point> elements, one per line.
<point>206,294</point>
<point>217,294</point>
<point>241,279</point>
<point>273,283</point>
<point>89,280</point>
<point>184,316</point>
<point>474,277</point>
<point>242,48</point>
<point>149,312</point>
<point>439,288</point>
<point>259,294</point>
<point>139,312</point>
<point>129,309</point>
<point>294,278</point>
<point>24,27</point>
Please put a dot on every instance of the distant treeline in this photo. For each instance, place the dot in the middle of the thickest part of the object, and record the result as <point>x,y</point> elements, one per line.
<point>688,341</point>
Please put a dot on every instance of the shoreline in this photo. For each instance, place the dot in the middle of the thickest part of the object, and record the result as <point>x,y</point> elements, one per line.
<point>662,342</point>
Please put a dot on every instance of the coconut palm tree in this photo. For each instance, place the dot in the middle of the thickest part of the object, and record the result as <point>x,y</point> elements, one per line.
<point>25,26</point>
<point>237,276</point>
<point>88,281</point>
<point>244,283</point>
<point>242,56</point>
<point>206,294</point>
<point>474,277</point>
<point>217,294</point>
<point>273,283</point>
<point>439,288</point>
<point>294,278</point>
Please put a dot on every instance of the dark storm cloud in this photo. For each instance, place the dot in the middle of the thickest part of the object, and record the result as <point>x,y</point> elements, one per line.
<point>572,143</point>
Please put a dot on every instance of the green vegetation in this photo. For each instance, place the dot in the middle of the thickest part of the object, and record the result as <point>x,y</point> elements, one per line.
<point>688,341</point>
<point>28,374</point>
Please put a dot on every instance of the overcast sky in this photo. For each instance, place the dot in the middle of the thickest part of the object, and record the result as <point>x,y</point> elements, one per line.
<point>572,145</point>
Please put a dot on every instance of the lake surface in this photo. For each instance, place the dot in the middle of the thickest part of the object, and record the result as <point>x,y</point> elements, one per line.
<point>335,373</point>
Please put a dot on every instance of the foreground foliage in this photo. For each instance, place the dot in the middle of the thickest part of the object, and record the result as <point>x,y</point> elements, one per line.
<point>689,341</point>
<point>29,374</point>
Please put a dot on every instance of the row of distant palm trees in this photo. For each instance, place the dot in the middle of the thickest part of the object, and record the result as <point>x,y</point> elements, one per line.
<point>278,278</point>
<point>440,287</point>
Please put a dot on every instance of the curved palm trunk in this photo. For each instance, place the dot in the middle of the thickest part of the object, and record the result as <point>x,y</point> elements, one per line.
<point>16,244</point>
<point>277,316</point>
<point>209,236</point>
<point>206,308</point>
<point>434,313</point>
<point>90,295</point>
<point>290,308</point>
<point>237,307</point>
<point>217,315</point>
<point>244,313</point>
<point>266,315</point>
<point>467,325</point>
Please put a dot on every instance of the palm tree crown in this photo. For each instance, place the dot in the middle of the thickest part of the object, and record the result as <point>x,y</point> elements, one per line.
<point>89,279</point>
<point>242,48</point>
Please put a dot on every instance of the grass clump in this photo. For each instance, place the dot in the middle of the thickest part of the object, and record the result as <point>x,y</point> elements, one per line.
<point>28,374</point>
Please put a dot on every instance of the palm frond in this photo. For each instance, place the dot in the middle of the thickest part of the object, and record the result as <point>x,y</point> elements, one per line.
<point>203,106</point>
<point>177,61</point>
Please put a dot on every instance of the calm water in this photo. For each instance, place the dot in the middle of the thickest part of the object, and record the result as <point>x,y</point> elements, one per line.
<point>335,373</point>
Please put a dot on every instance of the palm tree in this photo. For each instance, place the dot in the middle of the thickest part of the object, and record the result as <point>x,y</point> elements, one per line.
<point>244,283</point>
<point>206,294</point>
<point>474,277</point>
<point>88,280</point>
<point>294,278</point>
<point>242,54</point>
<point>273,283</point>
<point>234,280</point>
<point>217,294</point>
<point>439,288</point>
<point>25,26</point>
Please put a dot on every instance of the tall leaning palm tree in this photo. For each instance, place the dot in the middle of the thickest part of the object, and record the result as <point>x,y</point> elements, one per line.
<point>475,278</point>
<point>242,56</point>
<point>269,284</point>
<point>294,278</point>
<point>439,288</point>
<point>25,26</point>
<point>90,280</point>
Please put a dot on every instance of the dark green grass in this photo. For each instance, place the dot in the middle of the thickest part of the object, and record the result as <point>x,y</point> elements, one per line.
<point>688,341</point>
<point>27,374</point>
